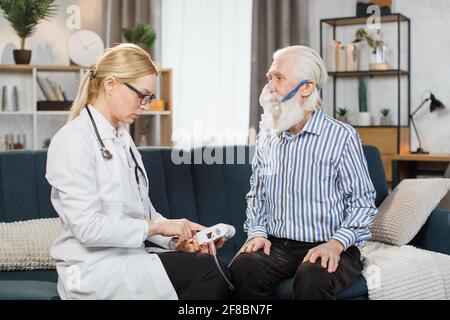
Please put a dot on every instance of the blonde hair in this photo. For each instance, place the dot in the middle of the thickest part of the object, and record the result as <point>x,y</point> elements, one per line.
<point>126,62</point>
<point>308,65</point>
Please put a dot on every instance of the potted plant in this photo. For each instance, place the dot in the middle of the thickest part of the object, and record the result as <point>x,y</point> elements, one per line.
<point>142,35</point>
<point>377,56</point>
<point>385,120</point>
<point>24,16</point>
<point>342,114</point>
<point>364,118</point>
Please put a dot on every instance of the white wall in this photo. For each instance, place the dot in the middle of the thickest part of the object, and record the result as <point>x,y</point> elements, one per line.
<point>49,41</point>
<point>430,65</point>
<point>49,47</point>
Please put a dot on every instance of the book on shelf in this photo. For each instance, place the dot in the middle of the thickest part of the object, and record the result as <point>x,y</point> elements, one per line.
<point>60,93</point>
<point>51,90</point>
<point>44,88</point>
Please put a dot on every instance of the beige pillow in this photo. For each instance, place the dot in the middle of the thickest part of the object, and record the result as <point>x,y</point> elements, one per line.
<point>25,245</point>
<point>404,212</point>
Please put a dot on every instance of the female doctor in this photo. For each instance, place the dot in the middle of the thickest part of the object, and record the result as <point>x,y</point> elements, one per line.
<point>100,191</point>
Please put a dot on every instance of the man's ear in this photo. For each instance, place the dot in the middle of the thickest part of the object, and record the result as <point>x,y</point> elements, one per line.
<point>109,85</point>
<point>307,89</point>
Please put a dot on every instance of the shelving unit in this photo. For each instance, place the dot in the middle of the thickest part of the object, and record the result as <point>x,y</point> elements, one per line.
<point>390,140</point>
<point>39,125</point>
<point>160,129</point>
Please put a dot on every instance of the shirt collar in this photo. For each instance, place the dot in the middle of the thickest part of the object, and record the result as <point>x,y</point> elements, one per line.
<point>105,129</point>
<point>314,125</point>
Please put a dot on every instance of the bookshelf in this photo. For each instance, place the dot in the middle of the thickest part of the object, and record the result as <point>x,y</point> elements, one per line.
<point>393,139</point>
<point>39,125</point>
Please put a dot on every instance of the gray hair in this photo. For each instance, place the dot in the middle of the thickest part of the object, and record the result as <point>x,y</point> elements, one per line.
<point>307,65</point>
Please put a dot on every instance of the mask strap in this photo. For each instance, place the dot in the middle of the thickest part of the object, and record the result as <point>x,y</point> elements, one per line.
<point>295,90</point>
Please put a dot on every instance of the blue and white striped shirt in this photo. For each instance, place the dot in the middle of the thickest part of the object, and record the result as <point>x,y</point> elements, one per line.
<point>311,187</point>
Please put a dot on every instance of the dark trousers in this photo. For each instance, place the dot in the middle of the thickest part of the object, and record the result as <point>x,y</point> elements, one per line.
<point>256,275</point>
<point>195,275</point>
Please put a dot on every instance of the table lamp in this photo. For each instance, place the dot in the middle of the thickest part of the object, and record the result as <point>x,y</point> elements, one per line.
<point>435,104</point>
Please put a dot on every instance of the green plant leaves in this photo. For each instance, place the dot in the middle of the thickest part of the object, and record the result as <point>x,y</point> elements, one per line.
<point>25,15</point>
<point>142,35</point>
<point>342,112</point>
<point>363,34</point>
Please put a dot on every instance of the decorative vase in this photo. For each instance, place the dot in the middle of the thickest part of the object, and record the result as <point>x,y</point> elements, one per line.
<point>22,56</point>
<point>143,140</point>
<point>351,56</point>
<point>341,60</point>
<point>10,98</point>
<point>342,119</point>
<point>385,121</point>
<point>364,119</point>
<point>332,56</point>
<point>378,59</point>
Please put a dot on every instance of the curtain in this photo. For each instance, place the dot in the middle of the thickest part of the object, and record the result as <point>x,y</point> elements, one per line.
<point>126,13</point>
<point>275,24</point>
<point>208,45</point>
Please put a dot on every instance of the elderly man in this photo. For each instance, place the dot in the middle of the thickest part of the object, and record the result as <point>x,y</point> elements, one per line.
<point>311,202</point>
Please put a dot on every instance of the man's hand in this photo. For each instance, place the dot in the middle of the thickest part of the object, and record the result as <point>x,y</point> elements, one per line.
<point>255,244</point>
<point>329,254</point>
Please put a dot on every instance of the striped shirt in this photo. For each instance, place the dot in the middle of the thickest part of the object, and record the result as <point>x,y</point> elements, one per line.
<point>311,187</point>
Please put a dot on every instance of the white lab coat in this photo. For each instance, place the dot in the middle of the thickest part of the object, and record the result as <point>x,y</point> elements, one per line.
<point>100,252</point>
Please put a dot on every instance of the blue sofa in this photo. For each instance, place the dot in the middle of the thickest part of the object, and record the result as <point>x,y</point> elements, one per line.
<point>202,192</point>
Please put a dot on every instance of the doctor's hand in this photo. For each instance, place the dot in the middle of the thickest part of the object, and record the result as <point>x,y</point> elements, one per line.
<point>183,229</point>
<point>255,244</point>
<point>329,254</point>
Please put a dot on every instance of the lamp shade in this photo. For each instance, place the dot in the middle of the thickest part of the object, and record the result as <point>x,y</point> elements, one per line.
<point>435,104</point>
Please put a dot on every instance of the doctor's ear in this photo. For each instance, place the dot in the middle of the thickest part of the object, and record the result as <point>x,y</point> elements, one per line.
<point>109,84</point>
<point>307,89</point>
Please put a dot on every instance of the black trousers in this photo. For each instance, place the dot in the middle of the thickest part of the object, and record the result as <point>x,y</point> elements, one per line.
<point>195,275</point>
<point>256,275</point>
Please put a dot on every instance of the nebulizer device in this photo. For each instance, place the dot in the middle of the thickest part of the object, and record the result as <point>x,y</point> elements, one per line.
<point>211,234</point>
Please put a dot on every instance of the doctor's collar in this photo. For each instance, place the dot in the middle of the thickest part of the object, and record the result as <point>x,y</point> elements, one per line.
<point>106,129</point>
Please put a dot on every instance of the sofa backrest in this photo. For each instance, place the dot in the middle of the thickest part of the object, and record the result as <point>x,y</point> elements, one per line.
<point>24,191</point>
<point>376,172</point>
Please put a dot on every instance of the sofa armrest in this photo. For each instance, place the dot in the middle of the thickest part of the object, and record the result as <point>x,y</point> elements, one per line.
<point>435,234</point>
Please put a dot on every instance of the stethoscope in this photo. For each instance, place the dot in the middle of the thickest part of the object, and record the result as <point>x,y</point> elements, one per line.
<point>106,154</point>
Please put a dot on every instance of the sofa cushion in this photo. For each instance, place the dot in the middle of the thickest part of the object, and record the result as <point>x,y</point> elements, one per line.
<point>180,187</point>
<point>28,290</point>
<point>45,207</point>
<point>19,192</point>
<point>237,185</point>
<point>34,275</point>
<point>26,244</point>
<point>211,196</point>
<point>153,164</point>
<point>376,172</point>
<point>403,213</point>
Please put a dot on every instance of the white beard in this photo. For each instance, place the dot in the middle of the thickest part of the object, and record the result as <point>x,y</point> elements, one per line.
<point>279,116</point>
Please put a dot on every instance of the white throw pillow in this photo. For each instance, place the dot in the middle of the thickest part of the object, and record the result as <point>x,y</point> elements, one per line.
<point>25,245</point>
<point>404,212</point>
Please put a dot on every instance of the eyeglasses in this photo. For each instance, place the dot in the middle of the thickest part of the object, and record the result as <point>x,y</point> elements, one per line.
<point>145,98</point>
